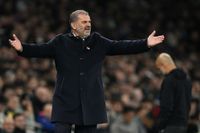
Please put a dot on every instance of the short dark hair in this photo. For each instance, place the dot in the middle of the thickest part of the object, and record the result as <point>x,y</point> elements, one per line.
<point>128,108</point>
<point>17,114</point>
<point>3,100</point>
<point>74,15</point>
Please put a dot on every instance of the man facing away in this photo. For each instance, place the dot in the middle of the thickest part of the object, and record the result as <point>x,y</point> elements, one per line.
<point>78,56</point>
<point>175,96</point>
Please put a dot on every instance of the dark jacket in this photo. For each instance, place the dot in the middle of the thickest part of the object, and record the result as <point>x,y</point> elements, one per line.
<point>175,97</point>
<point>79,87</point>
<point>18,130</point>
<point>46,125</point>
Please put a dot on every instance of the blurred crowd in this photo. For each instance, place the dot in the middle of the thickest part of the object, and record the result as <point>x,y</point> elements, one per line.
<point>132,83</point>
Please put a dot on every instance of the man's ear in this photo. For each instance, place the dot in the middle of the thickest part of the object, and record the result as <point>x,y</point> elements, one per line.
<point>73,25</point>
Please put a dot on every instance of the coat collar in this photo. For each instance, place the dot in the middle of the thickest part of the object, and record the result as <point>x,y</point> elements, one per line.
<point>71,35</point>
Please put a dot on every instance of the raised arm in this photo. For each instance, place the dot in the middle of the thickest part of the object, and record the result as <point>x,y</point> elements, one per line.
<point>132,46</point>
<point>44,50</point>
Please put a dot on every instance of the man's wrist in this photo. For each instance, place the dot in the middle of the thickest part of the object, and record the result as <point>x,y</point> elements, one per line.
<point>20,50</point>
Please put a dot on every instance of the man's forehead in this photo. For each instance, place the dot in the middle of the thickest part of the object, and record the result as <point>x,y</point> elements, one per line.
<point>84,16</point>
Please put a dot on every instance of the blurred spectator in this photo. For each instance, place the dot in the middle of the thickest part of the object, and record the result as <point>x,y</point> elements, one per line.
<point>28,112</point>
<point>20,123</point>
<point>115,107</point>
<point>8,125</point>
<point>126,122</point>
<point>44,119</point>
<point>13,106</point>
<point>41,96</point>
<point>2,110</point>
<point>145,117</point>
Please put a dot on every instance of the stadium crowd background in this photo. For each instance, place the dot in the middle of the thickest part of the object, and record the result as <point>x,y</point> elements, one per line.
<point>131,82</point>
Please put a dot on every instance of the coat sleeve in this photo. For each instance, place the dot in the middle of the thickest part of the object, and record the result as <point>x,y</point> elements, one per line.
<point>43,50</point>
<point>123,47</point>
<point>166,102</point>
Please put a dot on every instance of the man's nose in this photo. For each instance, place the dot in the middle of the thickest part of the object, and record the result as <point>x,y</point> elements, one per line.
<point>88,24</point>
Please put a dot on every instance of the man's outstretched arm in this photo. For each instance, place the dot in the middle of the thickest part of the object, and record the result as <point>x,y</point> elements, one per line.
<point>132,46</point>
<point>45,50</point>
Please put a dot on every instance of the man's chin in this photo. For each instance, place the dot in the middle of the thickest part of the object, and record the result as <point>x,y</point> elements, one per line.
<point>86,35</point>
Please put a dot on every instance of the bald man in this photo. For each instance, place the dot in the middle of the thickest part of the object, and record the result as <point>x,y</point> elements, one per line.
<point>175,96</point>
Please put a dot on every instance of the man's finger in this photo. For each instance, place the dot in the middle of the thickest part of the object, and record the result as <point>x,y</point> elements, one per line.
<point>160,37</point>
<point>153,33</point>
<point>10,41</point>
<point>15,37</point>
